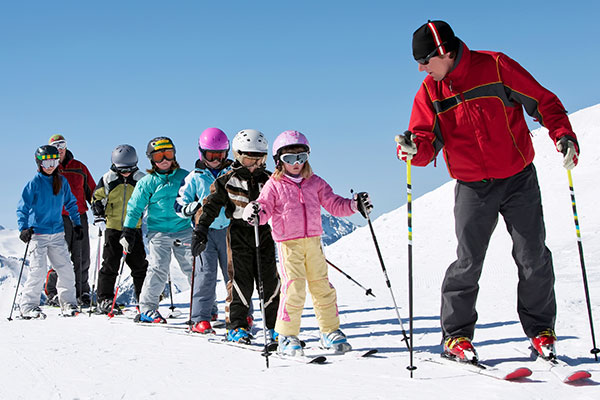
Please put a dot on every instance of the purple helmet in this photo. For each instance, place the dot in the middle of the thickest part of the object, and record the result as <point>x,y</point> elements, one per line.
<point>212,139</point>
<point>286,139</point>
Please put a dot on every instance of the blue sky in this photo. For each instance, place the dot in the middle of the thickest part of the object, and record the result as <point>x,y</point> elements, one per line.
<point>112,72</point>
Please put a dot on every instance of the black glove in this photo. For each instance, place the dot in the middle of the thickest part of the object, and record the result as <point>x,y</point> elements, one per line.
<point>98,208</point>
<point>78,232</point>
<point>199,239</point>
<point>26,234</point>
<point>363,203</point>
<point>127,239</point>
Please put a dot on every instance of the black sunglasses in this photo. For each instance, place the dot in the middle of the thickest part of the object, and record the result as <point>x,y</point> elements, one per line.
<point>425,61</point>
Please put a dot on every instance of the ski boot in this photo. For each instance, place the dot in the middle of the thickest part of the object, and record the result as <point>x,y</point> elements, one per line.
<point>460,349</point>
<point>543,344</point>
<point>105,305</point>
<point>69,310</point>
<point>53,302</point>
<point>335,340</point>
<point>33,313</point>
<point>239,335</point>
<point>203,327</point>
<point>290,346</point>
<point>150,317</point>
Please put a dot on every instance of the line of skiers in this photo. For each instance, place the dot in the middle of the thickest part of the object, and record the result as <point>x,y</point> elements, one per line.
<point>208,215</point>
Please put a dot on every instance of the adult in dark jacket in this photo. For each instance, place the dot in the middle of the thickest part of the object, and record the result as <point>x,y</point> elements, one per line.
<point>471,106</point>
<point>82,185</point>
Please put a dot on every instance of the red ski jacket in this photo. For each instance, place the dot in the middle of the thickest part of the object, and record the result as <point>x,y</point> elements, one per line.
<point>476,115</point>
<point>79,178</point>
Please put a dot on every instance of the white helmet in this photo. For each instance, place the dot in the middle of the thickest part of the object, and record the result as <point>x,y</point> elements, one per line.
<point>249,141</point>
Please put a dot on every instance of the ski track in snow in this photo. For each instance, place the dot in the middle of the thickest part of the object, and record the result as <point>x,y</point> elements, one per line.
<point>91,358</point>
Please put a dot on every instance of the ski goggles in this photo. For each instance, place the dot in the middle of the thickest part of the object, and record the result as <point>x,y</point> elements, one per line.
<point>125,170</point>
<point>159,156</point>
<point>294,158</point>
<point>51,163</point>
<point>425,61</point>
<point>212,155</point>
<point>249,159</point>
<point>60,144</point>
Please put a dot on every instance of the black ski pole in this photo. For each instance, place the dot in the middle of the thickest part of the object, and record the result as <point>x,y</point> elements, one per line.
<point>594,350</point>
<point>112,308</point>
<point>190,322</point>
<point>387,279</point>
<point>172,308</point>
<point>368,292</point>
<point>411,366</point>
<point>19,281</point>
<point>261,293</point>
<point>95,280</point>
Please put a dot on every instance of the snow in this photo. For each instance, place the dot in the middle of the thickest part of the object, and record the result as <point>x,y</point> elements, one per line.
<point>94,358</point>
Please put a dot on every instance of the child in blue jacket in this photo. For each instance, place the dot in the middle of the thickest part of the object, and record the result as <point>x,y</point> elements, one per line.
<point>39,218</point>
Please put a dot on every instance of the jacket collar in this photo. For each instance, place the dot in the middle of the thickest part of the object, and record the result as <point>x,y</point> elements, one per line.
<point>460,70</point>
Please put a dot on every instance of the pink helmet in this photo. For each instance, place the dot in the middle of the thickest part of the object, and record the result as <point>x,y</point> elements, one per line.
<point>212,139</point>
<point>288,138</point>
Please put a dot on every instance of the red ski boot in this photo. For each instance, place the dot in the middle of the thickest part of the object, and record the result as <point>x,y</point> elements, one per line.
<point>460,348</point>
<point>543,344</point>
<point>203,327</point>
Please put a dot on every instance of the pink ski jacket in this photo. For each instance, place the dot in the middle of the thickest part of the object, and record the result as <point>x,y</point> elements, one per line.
<point>295,208</point>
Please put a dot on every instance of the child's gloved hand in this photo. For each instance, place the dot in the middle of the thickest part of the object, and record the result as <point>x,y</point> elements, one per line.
<point>251,212</point>
<point>199,239</point>
<point>363,203</point>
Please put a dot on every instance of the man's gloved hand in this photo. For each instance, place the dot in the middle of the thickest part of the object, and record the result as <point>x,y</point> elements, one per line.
<point>363,203</point>
<point>190,209</point>
<point>199,239</point>
<point>127,239</point>
<point>26,234</point>
<point>570,150</point>
<point>78,232</point>
<point>406,147</point>
<point>251,213</point>
<point>100,222</point>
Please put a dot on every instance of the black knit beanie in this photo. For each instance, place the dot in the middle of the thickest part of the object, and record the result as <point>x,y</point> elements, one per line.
<point>431,36</point>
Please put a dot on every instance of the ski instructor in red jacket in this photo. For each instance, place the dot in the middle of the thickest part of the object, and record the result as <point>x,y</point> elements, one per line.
<point>470,106</point>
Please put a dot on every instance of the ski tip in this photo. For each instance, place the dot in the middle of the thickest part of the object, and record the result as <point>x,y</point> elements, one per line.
<point>577,375</point>
<point>518,374</point>
<point>369,353</point>
<point>318,360</point>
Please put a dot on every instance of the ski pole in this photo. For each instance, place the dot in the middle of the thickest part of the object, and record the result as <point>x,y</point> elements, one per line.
<point>19,281</point>
<point>190,323</point>
<point>111,313</point>
<point>411,367</point>
<point>387,279</point>
<point>594,350</point>
<point>261,293</point>
<point>95,280</point>
<point>368,292</point>
<point>172,308</point>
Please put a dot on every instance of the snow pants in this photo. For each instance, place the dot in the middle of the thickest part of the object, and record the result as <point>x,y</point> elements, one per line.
<point>161,246</point>
<point>302,262</point>
<point>243,274</point>
<point>80,257</point>
<point>54,247</point>
<point>111,262</point>
<point>476,209</point>
<point>205,281</point>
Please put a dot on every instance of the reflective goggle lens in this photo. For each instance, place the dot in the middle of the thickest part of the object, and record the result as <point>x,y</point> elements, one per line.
<point>425,61</point>
<point>294,158</point>
<point>60,144</point>
<point>124,170</point>
<point>212,155</point>
<point>50,163</point>
<point>158,156</point>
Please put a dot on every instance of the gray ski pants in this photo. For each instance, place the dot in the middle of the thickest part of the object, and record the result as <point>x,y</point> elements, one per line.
<point>477,205</point>
<point>161,246</point>
<point>54,247</point>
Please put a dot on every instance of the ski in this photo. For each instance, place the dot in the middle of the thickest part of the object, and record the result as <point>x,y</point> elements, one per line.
<point>260,348</point>
<point>560,369</point>
<point>361,353</point>
<point>480,368</point>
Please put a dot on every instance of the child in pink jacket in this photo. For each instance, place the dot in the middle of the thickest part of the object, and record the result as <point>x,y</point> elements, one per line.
<point>292,198</point>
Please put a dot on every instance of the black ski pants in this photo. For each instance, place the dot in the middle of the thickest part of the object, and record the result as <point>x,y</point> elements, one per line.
<point>111,262</point>
<point>243,274</point>
<point>477,205</point>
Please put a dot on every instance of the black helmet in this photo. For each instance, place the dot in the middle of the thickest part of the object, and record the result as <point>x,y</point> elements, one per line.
<point>124,158</point>
<point>46,152</point>
<point>158,144</point>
